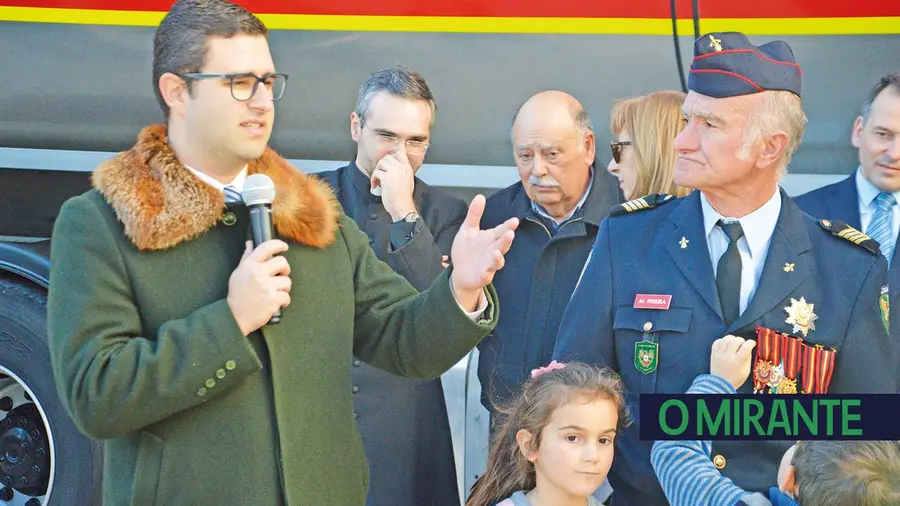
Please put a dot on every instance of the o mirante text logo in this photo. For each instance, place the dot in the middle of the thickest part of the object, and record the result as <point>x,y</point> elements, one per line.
<point>768,417</point>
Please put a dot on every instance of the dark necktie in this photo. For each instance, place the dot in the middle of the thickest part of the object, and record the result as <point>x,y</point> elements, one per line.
<point>728,272</point>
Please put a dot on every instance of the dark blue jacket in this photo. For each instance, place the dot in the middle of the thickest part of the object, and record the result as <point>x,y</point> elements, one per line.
<point>535,283</point>
<point>840,201</point>
<point>641,252</point>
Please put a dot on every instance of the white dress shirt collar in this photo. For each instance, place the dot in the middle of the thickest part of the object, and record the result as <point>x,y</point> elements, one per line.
<point>758,226</point>
<point>237,182</point>
<point>867,191</point>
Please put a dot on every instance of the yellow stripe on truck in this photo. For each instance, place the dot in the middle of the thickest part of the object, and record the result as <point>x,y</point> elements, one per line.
<point>597,26</point>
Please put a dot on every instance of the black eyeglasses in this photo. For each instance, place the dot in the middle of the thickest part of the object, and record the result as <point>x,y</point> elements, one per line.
<point>617,147</point>
<point>243,86</point>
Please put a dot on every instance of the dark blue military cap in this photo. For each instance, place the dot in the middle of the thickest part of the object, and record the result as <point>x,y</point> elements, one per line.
<point>727,64</point>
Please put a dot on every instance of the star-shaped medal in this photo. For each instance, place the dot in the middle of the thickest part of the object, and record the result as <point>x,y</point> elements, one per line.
<point>801,316</point>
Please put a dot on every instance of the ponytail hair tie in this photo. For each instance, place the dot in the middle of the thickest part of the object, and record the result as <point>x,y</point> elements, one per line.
<point>552,366</point>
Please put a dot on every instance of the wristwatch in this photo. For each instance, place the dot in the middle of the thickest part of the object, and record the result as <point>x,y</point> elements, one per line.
<point>411,217</point>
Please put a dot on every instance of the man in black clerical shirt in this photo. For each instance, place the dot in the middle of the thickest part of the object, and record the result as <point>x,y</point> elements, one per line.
<point>403,422</point>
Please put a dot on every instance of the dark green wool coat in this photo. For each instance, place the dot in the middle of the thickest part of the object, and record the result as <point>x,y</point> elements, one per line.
<point>148,357</point>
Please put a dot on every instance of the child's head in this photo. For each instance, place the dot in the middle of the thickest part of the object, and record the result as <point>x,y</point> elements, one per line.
<point>862,473</point>
<point>558,433</point>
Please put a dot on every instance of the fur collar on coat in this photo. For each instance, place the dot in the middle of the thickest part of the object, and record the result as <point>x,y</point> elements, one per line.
<point>161,203</point>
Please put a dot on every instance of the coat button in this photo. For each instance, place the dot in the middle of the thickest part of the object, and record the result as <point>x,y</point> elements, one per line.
<point>355,415</point>
<point>648,326</point>
<point>220,373</point>
<point>356,363</point>
<point>373,216</point>
<point>210,383</point>
<point>371,240</point>
<point>230,365</point>
<point>355,389</point>
<point>719,462</point>
<point>201,392</point>
<point>229,218</point>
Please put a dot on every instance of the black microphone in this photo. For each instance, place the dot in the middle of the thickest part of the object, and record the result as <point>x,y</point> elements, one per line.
<point>258,194</point>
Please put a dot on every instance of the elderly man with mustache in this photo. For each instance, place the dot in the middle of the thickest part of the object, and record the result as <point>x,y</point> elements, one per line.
<point>560,202</point>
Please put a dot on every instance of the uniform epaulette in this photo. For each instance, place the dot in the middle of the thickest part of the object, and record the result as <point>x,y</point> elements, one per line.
<point>641,204</point>
<point>849,233</point>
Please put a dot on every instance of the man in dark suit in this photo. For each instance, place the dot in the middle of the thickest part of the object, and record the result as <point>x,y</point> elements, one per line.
<point>667,276</point>
<point>867,200</point>
<point>403,422</point>
<point>560,200</point>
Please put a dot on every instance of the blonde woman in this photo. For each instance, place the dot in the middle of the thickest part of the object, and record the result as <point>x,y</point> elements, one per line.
<point>644,150</point>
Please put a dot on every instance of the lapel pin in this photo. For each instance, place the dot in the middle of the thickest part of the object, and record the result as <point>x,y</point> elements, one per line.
<point>788,267</point>
<point>683,242</point>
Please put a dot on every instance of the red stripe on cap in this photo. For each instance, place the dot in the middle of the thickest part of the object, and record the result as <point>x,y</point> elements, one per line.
<point>757,53</point>
<point>732,74</point>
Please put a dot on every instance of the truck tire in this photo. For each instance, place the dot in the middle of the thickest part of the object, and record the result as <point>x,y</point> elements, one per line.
<point>44,458</point>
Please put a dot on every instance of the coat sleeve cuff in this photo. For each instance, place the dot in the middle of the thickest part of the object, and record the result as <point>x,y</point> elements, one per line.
<point>711,384</point>
<point>403,232</point>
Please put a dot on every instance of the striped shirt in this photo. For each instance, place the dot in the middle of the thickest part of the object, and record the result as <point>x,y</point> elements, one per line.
<point>685,469</point>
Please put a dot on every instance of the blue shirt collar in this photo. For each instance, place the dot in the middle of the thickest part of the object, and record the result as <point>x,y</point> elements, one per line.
<point>868,191</point>
<point>540,211</point>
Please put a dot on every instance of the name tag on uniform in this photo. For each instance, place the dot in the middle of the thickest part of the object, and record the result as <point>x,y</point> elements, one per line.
<point>652,301</point>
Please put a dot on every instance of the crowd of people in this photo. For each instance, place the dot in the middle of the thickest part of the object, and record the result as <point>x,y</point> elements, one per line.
<point>159,306</point>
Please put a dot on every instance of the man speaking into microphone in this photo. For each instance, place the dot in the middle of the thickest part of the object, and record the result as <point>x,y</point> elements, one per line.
<point>159,305</point>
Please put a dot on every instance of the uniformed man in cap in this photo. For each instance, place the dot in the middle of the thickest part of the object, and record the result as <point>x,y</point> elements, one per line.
<point>668,276</point>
